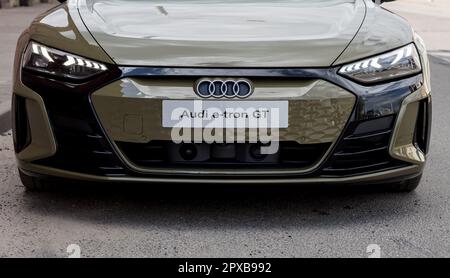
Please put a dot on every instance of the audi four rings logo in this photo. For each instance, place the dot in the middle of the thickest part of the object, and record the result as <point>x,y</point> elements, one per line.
<point>229,88</point>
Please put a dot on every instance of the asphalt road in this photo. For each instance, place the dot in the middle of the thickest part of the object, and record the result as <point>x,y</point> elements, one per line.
<point>212,221</point>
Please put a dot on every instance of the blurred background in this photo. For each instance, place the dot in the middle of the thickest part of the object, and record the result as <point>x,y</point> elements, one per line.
<point>4,4</point>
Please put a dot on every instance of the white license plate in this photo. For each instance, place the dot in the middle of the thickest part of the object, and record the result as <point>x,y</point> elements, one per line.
<point>225,114</point>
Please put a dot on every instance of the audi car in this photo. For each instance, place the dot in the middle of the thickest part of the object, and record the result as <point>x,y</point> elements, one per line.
<point>221,92</point>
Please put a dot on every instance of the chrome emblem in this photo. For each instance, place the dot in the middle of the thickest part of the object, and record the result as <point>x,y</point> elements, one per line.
<point>219,88</point>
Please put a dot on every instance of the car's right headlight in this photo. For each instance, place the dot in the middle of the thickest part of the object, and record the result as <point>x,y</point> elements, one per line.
<point>52,62</point>
<point>395,64</point>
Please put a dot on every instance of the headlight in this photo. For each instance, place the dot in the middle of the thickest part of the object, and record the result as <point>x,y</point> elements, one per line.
<point>50,61</point>
<point>398,63</point>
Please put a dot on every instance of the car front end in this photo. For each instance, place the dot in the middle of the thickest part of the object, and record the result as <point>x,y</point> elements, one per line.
<point>94,91</point>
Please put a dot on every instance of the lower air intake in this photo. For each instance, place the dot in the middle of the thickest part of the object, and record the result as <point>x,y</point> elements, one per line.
<point>364,149</point>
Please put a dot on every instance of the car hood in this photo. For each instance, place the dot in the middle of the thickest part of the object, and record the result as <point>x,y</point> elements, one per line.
<point>212,33</point>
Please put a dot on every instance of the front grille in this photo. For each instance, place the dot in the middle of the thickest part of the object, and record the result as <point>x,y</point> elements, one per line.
<point>364,149</point>
<point>82,145</point>
<point>227,156</point>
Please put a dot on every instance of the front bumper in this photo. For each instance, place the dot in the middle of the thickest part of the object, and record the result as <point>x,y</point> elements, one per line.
<point>379,133</point>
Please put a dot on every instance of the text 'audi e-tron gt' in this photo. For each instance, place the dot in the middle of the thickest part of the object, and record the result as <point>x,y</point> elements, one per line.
<point>209,91</point>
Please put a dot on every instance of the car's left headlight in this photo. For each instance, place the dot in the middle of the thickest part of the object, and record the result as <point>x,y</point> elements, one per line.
<point>49,61</point>
<point>395,64</point>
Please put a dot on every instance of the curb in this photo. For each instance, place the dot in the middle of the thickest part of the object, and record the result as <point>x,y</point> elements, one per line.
<point>5,107</point>
<point>5,116</point>
<point>444,60</point>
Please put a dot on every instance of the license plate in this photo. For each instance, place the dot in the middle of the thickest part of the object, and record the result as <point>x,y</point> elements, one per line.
<point>225,114</point>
